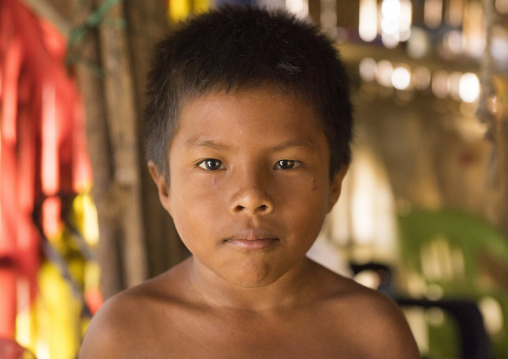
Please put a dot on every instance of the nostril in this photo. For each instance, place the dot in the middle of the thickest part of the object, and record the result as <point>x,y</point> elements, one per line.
<point>253,201</point>
<point>261,208</point>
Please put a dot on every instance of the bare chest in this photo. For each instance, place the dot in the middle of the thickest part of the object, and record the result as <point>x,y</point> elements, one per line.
<point>213,336</point>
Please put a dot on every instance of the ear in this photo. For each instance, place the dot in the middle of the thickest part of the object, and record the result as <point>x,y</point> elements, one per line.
<point>336,186</point>
<point>162,185</point>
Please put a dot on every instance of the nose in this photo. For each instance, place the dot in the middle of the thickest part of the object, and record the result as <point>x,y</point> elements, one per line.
<point>251,196</point>
<point>252,201</point>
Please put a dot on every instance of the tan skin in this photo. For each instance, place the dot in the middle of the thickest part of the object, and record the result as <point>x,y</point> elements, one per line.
<point>249,191</point>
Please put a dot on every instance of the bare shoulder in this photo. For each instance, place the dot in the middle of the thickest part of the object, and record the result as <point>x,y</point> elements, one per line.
<point>129,321</point>
<point>377,326</point>
<point>108,326</point>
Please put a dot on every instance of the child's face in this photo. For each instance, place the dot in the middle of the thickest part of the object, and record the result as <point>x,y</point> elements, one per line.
<point>249,183</point>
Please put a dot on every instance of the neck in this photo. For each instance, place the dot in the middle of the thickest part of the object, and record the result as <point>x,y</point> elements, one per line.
<point>291,289</point>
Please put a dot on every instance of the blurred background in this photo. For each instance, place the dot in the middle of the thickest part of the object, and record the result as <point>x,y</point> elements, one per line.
<point>424,212</point>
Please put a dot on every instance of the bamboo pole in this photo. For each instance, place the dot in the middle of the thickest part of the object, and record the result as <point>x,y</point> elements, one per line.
<point>99,149</point>
<point>112,119</point>
<point>121,119</point>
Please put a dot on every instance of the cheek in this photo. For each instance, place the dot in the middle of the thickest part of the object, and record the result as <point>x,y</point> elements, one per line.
<point>307,197</point>
<point>195,204</point>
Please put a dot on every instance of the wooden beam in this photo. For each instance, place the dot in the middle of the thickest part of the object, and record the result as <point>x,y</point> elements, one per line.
<point>122,128</point>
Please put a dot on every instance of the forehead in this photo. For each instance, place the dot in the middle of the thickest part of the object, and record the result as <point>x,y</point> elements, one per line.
<point>257,110</point>
<point>269,100</point>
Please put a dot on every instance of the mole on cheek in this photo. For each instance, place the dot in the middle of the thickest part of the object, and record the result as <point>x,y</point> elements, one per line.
<point>215,183</point>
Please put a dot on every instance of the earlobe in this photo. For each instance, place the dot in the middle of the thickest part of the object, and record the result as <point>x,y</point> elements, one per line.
<point>336,186</point>
<point>161,183</point>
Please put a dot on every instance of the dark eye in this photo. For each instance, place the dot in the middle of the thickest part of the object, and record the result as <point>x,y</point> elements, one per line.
<point>211,164</point>
<point>284,164</point>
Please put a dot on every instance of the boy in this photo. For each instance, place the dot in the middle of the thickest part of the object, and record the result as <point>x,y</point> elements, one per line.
<point>248,129</point>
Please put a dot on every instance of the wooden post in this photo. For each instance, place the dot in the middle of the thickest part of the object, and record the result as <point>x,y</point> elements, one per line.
<point>130,215</point>
<point>147,23</point>
<point>121,120</point>
<point>87,65</point>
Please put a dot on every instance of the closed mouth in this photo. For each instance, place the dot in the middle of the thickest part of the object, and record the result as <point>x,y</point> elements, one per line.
<point>252,238</point>
<point>253,244</point>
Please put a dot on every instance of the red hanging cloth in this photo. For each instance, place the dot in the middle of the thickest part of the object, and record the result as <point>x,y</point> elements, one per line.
<point>42,146</point>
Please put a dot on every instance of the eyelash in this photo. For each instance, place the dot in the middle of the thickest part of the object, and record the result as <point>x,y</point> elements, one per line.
<point>219,165</point>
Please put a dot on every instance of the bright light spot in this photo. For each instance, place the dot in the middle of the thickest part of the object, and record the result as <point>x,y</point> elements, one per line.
<point>363,216</point>
<point>298,7</point>
<point>499,45</point>
<point>405,16</point>
<point>418,44</point>
<point>415,284</point>
<point>473,29</point>
<point>404,35</point>
<point>440,84</point>
<point>421,78</point>
<point>453,41</point>
<point>469,87</point>
<point>384,73</point>
<point>390,40</point>
<point>42,349</point>
<point>367,27</point>
<point>416,319</point>
<point>493,105</point>
<point>395,21</point>
<point>401,77</point>
<point>368,69</point>
<point>390,10</point>
<point>454,84</point>
<point>91,228</point>
<point>492,315</point>
<point>368,278</point>
<point>433,13</point>
<point>499,49</point>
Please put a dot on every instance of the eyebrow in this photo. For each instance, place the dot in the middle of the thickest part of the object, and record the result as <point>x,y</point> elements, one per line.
<point>307,143</point>
<point>193,142</point>
<point>197,143</point>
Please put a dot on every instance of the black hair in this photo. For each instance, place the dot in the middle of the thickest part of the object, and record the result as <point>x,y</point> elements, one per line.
<point>233,47</point>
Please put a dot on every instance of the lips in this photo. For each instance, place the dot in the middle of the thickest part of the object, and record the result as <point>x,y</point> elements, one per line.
<point>253,239</point>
